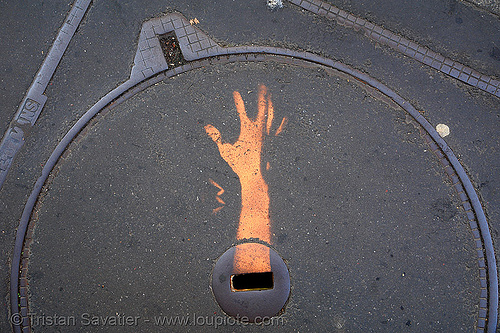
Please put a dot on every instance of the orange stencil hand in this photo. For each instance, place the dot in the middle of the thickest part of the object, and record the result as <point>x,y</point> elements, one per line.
<point>244,157</point>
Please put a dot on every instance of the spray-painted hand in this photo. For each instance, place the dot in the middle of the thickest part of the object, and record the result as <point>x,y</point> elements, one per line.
<point>244,156</point>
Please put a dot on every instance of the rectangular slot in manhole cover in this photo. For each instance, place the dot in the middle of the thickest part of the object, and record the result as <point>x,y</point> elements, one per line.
<point>171,49</point>
<point>252,281</point>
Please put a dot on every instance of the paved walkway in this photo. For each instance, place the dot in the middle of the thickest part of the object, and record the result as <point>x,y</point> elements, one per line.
<point>123,203</point>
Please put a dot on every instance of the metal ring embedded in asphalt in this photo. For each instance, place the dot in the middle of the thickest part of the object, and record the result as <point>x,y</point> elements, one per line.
<point>131,87</point>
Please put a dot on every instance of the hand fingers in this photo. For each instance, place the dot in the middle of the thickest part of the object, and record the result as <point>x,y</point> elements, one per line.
<point>213,133</point>
<point>262,104</point>
<point>270,113</point>
<point>240,107</point>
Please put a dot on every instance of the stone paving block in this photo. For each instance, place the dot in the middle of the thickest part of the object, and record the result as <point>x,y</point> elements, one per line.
<point>205,43</point>
<point>436,64</point>
<point>441,157</point>
<point>157,26</point>
<point>491,89</point>
<point>177,22</point>
<point>306,5</point>
<point>196,47</point>
<point>314,8</point>
<point>455,73</point>
<point>375,36</point>
<point>463,77</point>
<point>458,66</point>
<point>427,60</point>
<point>325,5</point>
<point>431,54</point>
<point>392,43</point>
<point>439,58</point>
<point>146,54</point>
<point>334,10</point>
<point>404,42</point>
<point>192,38</point>
<point>475,233</point>
<point>396,38</point>
<point>413,46</point>
<point>369,25</point>
<point>402,48</point>
<point>454,178</point>
<point>476,74</point>
<point>448,62</point>
<point>183,40</point>
<point>331,16</point>
<point>473,224</point>
<point>482,85</point>
<point>180,32</point>
<point>149,33</point>
<point>419,56</point>
<point>147,72</point>
<point>360,21</point>
<point>167,24</point>
<point>205,53</point>
<point>377,29</point>
<point>480,254</point>
<point>422,49</point>
<point>472,81</point>
<point>143,44</point>
<point>485,78</point>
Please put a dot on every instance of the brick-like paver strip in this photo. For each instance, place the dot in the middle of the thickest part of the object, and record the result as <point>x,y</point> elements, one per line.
<point>151,68</point>
<point>33,103</point>
<point>476,233</point>
<point>403,45</point>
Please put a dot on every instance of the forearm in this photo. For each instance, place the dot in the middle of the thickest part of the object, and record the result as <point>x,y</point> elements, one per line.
<point>254,216</point>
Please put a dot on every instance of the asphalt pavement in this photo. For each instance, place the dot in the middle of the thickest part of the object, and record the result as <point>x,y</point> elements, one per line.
<point>116,202</point>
